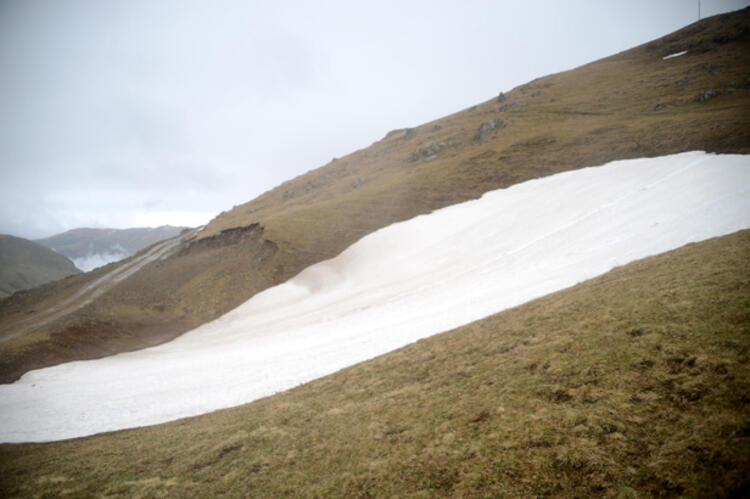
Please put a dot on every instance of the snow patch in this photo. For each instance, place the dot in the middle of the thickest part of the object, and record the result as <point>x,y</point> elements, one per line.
<point>676,54</point>
<point>402,283</point>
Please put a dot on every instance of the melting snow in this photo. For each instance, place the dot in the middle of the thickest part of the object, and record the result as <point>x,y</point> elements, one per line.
<point>676,54</point>
<point>402,283</point>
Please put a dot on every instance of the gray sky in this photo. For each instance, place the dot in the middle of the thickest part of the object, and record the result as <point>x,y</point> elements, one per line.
<point>146,112</point>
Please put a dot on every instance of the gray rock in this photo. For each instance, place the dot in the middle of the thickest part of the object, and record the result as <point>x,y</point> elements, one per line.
<point>707,95</point>
<point>359,182</point>
<point>429,153</point>
<point>436,128</point>
<point>682,81</point>
<point>410,132</point>
<point>501,98</point>
<point>392,133</point>
<point>659,107</point>
<point>484,131</point>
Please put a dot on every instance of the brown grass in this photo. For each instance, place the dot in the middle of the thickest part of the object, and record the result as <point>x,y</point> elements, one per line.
<point>632,104</point>
<point>634,384</point>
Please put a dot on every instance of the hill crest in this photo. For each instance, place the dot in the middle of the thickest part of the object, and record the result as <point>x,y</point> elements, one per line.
<point>25,264</point>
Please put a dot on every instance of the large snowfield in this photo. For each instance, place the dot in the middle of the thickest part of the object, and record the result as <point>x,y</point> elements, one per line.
<point>402,283</point>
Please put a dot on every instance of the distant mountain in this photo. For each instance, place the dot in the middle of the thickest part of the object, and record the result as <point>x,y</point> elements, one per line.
<point>25,264</point>
<point>92,248</point>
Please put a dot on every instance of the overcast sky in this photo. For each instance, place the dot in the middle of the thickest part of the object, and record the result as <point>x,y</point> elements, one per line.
<point>146,112</point>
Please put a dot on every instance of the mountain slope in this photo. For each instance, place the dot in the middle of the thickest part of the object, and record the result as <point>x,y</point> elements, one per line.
<point>402,283</point>
<point>633,384</point>
<point>92,248</point>
<point>632,104</point>
<point>25,264</point>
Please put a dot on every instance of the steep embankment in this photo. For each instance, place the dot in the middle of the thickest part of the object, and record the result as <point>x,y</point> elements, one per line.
<point>25,264</point>
<point>632,104</point>
<point>633,384</point>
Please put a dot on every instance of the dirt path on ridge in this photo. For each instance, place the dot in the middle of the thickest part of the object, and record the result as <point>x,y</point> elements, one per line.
<point>93,290</point>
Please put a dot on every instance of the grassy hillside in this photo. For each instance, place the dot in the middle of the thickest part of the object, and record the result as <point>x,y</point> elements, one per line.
<point>632,104</point>
<point>25,264</point>
<point>634,384</point>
